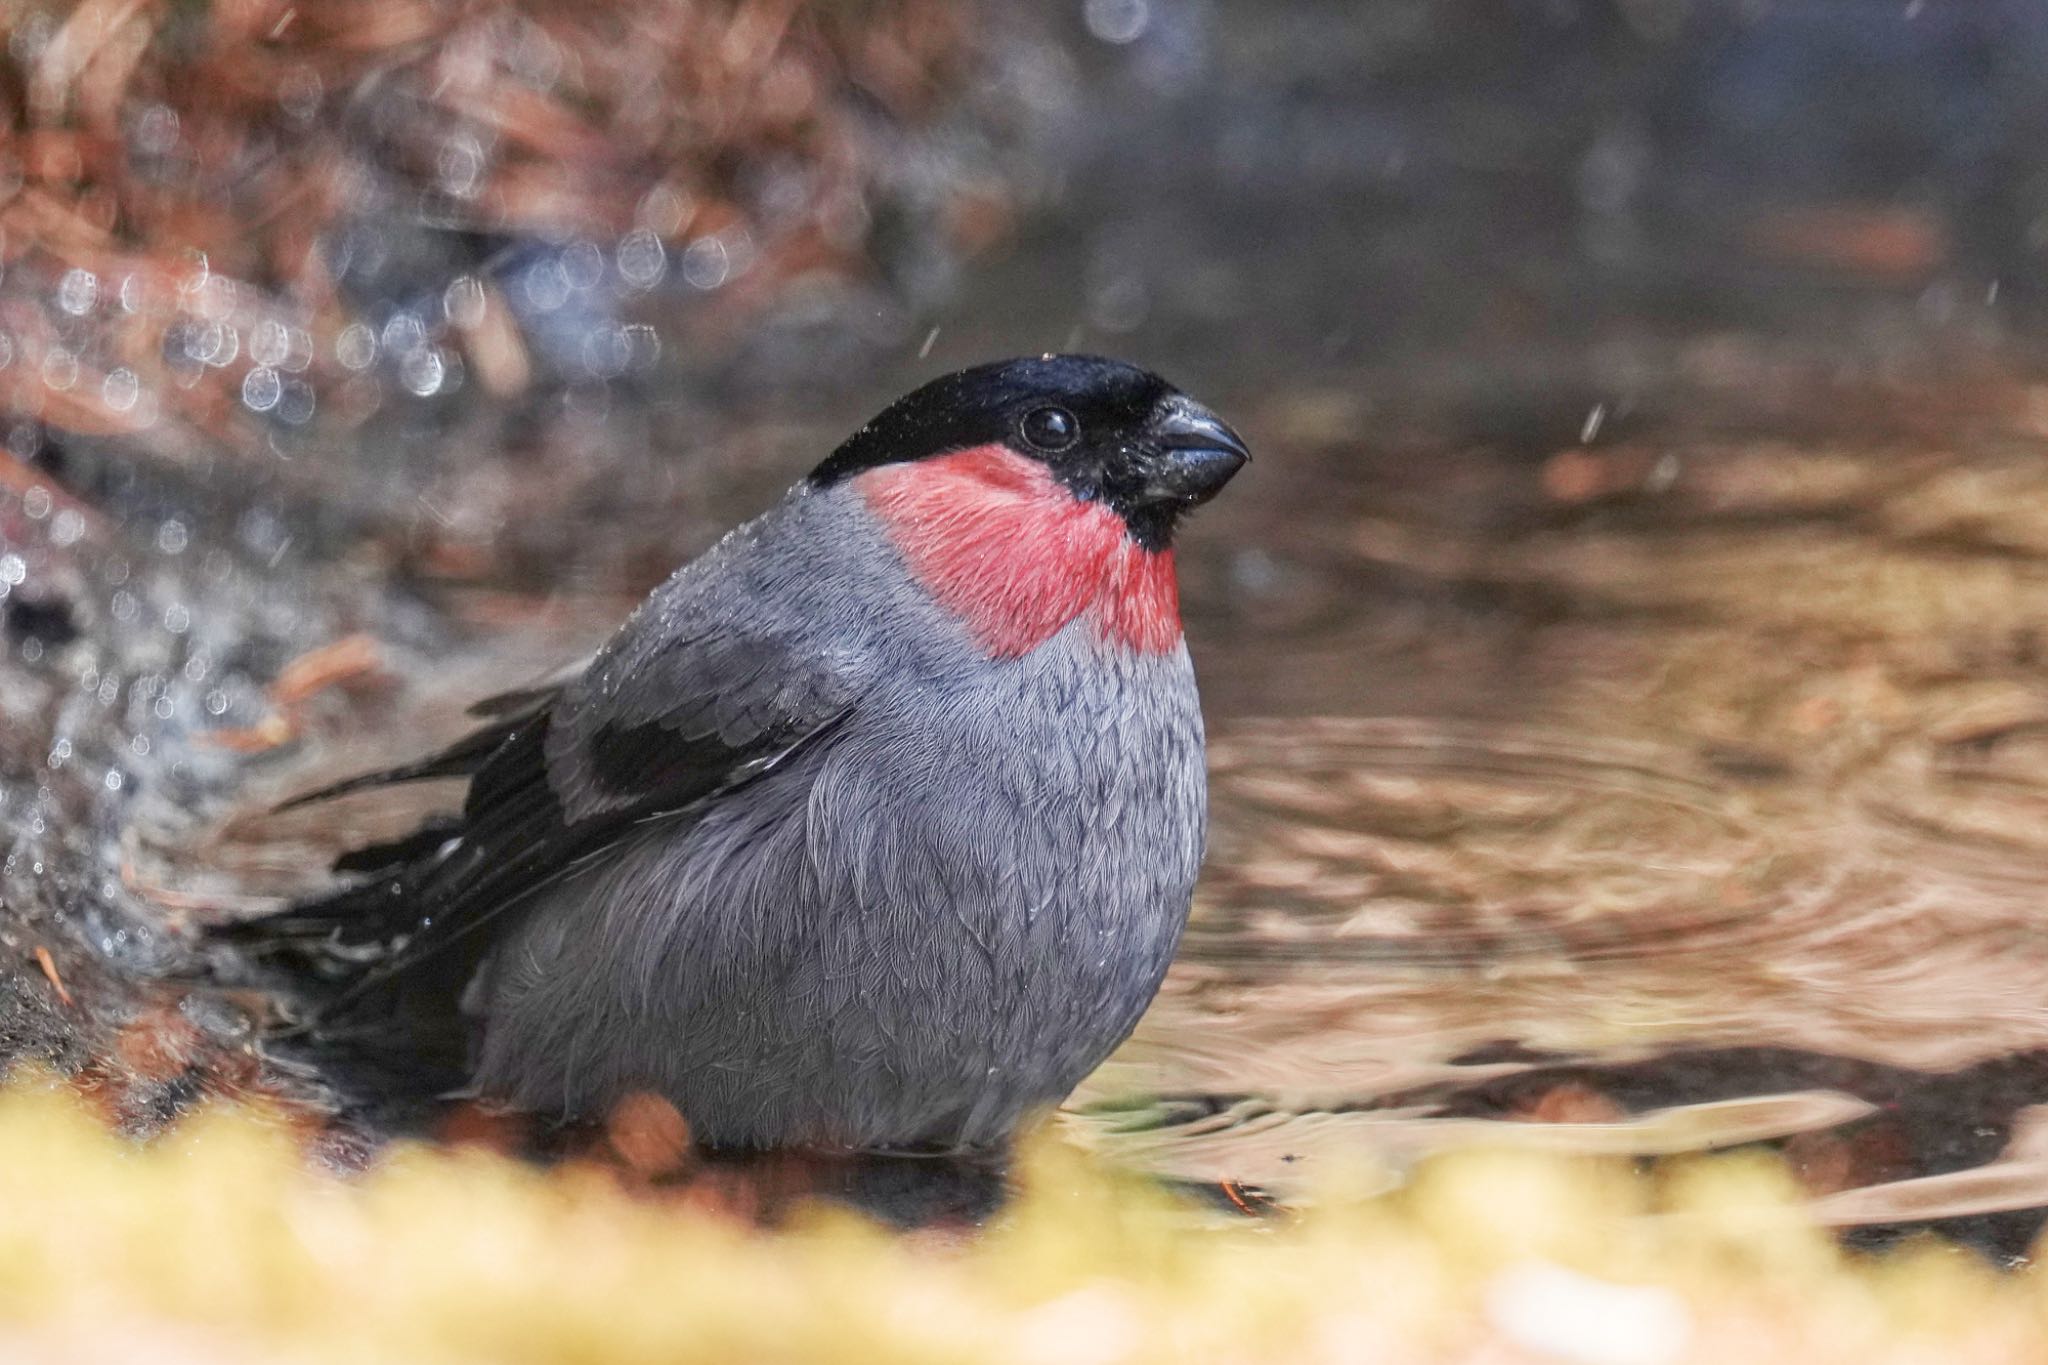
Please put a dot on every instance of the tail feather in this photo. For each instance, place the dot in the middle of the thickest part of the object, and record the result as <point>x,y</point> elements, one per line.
<point>460,759</point>
<point>350,917</point>
<point>393,949</point>
<point>330,957</point>
<point>429,839</point>
<point>446,764</point>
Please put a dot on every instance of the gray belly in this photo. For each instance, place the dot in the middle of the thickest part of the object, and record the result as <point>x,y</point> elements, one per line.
<point>913,935</point>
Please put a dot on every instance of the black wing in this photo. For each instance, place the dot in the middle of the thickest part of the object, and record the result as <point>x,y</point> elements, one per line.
<point>507,710</point>
<point>668,717</point>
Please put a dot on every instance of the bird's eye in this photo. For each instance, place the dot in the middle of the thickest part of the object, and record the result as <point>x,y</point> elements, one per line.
<point>1051,428</point>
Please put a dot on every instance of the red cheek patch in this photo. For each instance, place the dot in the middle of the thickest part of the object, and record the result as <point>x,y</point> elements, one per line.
<point>995,539</point>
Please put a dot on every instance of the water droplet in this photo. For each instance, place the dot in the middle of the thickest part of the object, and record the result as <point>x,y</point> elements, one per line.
<point>215,299</point>
<point>583,264</point>
<point>67,526</point>
<point>422,372</point>
<point>607,352</point>
<point>645,343</point>
<point>269,343</point>
<point>13,569</point>
<point>139,746</point>
<point>261,389</point>
<point>642,259</point>
<point>172,537</point>
<point>461,167</point>
<point>162,708</point>
<point>706,263</point>
<point>216,702</point>
<point>31,650</point>
<point>156,130</point>
<point>463,300</point>
<point>123,606</point>
<point>120,389</point>
<point>546,285</point>
<point>206,343</point>
<point>295,405</point>
<point>177,618</point>
<point>1116,21</point>
<point>78,291</point>
<point>60,368</point>
<point>35,504</point>
<point>113,780</point>
<point>662,210</point>
<point>298,352</point>
<point>197,273</point>
<point>403,333</point>
<point>356,347</point>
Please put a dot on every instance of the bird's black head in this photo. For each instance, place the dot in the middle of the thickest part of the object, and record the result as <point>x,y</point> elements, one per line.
<point>1109,432</point>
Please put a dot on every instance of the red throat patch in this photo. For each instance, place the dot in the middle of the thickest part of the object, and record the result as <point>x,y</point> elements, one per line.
<point>996,539</point>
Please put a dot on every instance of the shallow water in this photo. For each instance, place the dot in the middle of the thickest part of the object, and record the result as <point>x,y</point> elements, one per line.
<point>1707,812</point>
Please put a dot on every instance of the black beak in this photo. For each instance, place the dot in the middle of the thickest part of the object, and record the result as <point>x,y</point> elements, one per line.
<point>1198,453</point>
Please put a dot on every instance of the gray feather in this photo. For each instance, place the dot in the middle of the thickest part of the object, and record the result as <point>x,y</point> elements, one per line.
<point>1016,840</point>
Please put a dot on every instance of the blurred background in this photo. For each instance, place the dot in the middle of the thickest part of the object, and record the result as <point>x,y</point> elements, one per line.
<point>1624,660</point>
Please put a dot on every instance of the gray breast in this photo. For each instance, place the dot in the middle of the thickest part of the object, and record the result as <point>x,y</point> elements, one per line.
<point>913,934</point>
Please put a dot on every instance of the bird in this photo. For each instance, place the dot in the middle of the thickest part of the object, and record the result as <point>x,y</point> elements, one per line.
<point>874,828</point>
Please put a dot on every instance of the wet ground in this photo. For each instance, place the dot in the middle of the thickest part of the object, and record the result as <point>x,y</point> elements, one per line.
<point>1624,659</point>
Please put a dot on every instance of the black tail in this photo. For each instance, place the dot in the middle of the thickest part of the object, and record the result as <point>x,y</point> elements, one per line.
<point>505,713</point>
<point>388,950</point>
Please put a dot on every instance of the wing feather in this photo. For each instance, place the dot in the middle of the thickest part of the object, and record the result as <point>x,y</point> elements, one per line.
<point>685,706</point>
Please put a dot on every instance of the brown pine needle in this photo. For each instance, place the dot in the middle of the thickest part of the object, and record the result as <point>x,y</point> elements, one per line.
<point>49,966</point>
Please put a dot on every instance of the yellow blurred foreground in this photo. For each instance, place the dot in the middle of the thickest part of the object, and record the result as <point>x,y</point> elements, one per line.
<point>221,1242</point>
